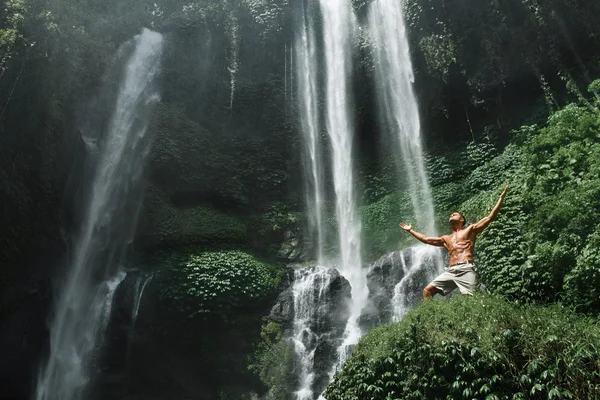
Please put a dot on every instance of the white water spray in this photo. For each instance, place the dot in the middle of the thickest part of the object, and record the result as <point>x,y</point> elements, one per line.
<point>85,300</point>
<point>308,291</point>
<point>423,267</point>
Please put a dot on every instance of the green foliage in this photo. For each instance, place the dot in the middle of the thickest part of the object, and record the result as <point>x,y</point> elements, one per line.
<point>562,192</point>
<point>216,283</point>
<point>170,226</point>
<point>475,347</point>
<point>594,88</point>
<point>273,360</point>
<point>450,166</point>
<point>582,284</point>
<point>268,228</point>
<point>440,54</point>
<point>187,157</point>
<point>11,21</point>
<point>493,169</point>
<point>502,251</point>
<point>480,153</point>
<point>533,250</point>
<point>470,44</point>
<point>447,197</point>
<point>380,220</point>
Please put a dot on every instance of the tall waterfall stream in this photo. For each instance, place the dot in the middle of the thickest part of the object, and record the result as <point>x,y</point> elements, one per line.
<point>324,59</point>
<point>85,298</point>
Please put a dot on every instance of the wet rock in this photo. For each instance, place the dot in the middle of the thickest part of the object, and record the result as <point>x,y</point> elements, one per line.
<point>291,249</point>
<point>382,278</point>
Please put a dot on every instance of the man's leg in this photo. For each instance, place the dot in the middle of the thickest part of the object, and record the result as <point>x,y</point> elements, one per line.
<point>430,291</point>
<point>466,280</point>
<point>443,285</point>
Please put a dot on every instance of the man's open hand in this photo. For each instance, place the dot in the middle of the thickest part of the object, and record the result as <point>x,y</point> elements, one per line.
<point>504,192</point>
<point>405,226</point>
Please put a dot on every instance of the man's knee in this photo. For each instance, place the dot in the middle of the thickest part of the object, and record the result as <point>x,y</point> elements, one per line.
<point>430,291</point>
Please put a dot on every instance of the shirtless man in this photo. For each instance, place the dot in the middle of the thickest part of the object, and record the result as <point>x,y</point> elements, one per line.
<point>461,246</point>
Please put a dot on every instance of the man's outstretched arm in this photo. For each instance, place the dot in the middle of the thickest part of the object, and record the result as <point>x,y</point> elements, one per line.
<point>434,241</point>
<point>481,225</point>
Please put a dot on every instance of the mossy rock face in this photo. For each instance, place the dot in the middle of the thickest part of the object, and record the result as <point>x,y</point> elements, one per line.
<point>202,313</point>
<point>187,158</point>
<point>165,225</point>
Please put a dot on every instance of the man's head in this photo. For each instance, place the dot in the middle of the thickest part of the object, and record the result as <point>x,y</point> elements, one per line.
<point>457,219</point>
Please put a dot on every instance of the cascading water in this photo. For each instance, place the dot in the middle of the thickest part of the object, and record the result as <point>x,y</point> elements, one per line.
<point>85,300</point>
<point>398,104</point>
<point>398,107</point>
<point>233,29</point>
<point>140,286</point>
<point>306,54</point>
<point>421,268</point>
<point>339,23</point>
<point>308,291</point>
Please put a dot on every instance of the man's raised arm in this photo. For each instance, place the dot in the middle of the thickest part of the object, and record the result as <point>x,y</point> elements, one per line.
<point>481,225</point>
<point>434,241</point>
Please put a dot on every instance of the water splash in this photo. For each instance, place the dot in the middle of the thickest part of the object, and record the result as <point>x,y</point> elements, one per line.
<point>85,299</point>
<point>309,290</point>
<point>423,267</point>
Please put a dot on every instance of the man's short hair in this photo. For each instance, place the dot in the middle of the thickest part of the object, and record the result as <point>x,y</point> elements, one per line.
<point>464,218</point>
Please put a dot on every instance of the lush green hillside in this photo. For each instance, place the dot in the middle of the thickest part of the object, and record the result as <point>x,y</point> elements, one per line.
<point>481,347</point>
<point>543,248</point>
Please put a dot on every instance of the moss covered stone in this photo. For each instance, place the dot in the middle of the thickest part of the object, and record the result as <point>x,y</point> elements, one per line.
<point>166,225</point>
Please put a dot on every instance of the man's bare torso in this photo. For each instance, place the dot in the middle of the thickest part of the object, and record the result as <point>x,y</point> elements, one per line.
<point>460,245</point>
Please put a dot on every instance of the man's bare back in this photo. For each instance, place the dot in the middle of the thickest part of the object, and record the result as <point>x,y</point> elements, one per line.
<point>461,248</point>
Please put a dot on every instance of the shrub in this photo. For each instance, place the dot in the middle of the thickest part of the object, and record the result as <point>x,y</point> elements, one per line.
<point>273,360</point>
<point>217,283</point>
<point>582,284</point>
<point>475,347</point>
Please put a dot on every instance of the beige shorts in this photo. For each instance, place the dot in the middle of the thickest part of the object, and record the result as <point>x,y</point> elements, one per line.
<point>463,277</point>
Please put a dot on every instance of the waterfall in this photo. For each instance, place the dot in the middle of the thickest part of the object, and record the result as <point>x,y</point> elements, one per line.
<point>398,104</point>
<point>306,54</point>
<point>309,289</point>
<point>85,298</point>
<point>233,29</point>
<point>140,285</point>
<point>338,22</point>
<point>338,25</point>
<point>421,267</point>
<point>399,109</point>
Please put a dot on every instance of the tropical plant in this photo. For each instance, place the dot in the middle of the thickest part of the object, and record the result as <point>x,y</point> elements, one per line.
<point>216,283</point>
